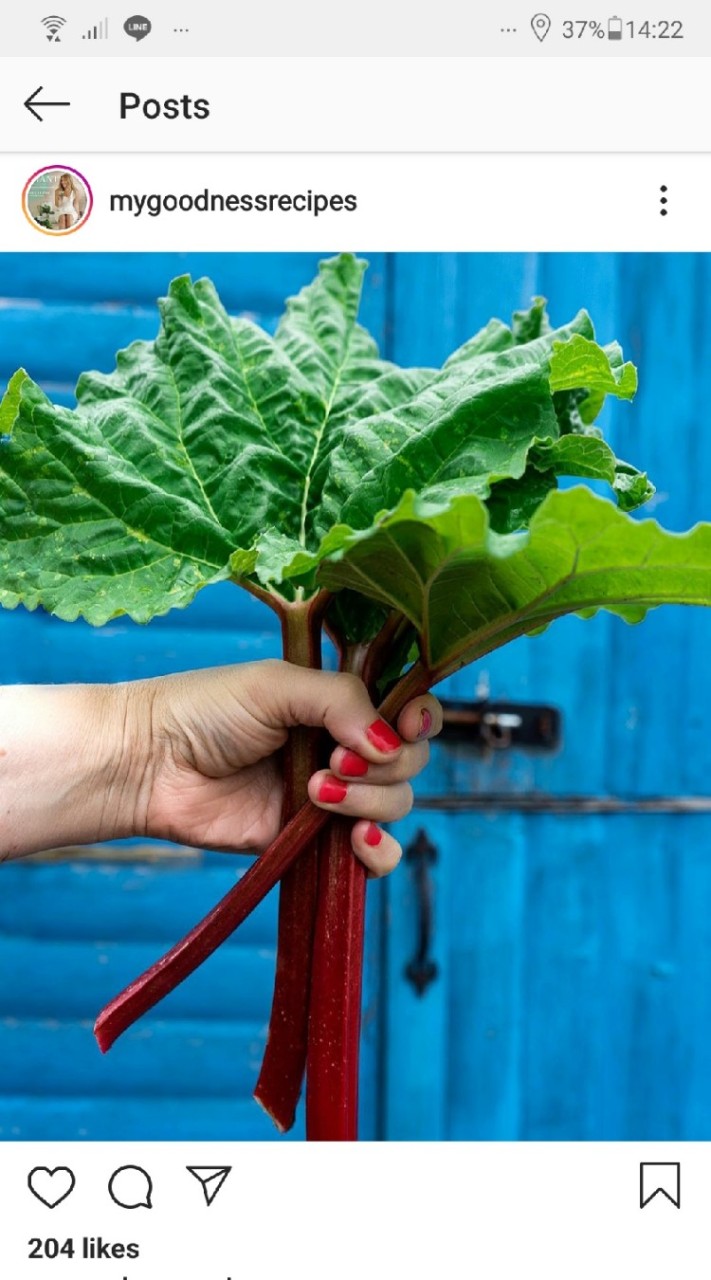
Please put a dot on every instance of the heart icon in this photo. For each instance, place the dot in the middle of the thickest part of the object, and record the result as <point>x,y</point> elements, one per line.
<point>51,1186</point>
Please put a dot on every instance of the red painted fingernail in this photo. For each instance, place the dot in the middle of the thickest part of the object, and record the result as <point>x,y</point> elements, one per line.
<point>353,765</point>
<point>383,737</point>
<point>373,835</point>
<point>425,723</point>
<point>332,791</point>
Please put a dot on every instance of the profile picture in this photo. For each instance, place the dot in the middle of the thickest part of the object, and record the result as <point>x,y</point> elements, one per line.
<point>57,200</point>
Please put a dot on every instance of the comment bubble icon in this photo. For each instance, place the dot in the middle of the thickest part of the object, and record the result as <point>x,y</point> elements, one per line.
<point>130,1187</point>
<point>137,27</point>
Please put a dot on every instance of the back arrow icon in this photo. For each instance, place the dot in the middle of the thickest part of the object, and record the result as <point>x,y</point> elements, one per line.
<point>32,102</point>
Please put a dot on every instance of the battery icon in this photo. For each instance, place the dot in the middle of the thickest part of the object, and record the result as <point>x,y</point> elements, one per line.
<point>614,29</point>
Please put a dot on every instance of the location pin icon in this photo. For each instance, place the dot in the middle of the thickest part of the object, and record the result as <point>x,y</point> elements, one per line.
<point>541,24</point>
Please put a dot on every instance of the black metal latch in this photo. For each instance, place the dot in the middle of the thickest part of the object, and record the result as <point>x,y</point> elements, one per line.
<point>422,969</point>
<point>501,725</point>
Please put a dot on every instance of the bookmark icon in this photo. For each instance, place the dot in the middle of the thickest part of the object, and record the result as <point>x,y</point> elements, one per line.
<point>661,1177</point>
<point>211,1178</point>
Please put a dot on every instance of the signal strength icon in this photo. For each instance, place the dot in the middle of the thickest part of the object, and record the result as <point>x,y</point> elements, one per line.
<point>53,25</point>
<point>98,32</point>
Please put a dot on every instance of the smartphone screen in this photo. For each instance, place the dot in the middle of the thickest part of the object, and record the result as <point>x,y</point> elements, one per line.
<point>355,563</point>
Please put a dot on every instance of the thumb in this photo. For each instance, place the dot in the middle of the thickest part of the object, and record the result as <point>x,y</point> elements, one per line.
<point>338,701</point>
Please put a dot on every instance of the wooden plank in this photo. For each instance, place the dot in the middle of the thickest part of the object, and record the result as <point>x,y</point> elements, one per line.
<point>693,682</point>
<point>57,341</point>
<point>691,986</point>
<point>154,1119</point>
<point>258,281</point>
<point>109,902</point>
<point>71,980</point>
<point>67,652</point>
<point>222,606</point>
<point>569,665</point>
<point>459,294</point>
<point>217,608</point>
<point>661,299</point>
<point>563,1035</point>
<point>194,1058</point>
<point>18,637</point>
<point>485,933</point>
<point>616,1002</point>
<point>643,1069</point>
<point>428,1054</point>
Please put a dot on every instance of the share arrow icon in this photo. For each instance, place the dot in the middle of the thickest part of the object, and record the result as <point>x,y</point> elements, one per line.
<point>210,1179</point>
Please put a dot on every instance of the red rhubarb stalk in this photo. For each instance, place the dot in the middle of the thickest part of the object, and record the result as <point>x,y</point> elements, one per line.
<point>188,954</point>
<point>282,1072</point>
<point>332,1071</point>
<point>336,985</point>
<point>214,929</point>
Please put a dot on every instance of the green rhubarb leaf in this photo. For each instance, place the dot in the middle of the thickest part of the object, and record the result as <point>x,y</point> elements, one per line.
<point>532,323</point>
<point>481,422</point>
<point>512,503</point>
<point>87,531</point>
<point>525,327</point>
<point>174,464</point>
<point>219,451</point>
<point>590,457</point>
<point>467,590</point>
<point>353,619</point>
<point>602,371</point>
<point>338,360</point>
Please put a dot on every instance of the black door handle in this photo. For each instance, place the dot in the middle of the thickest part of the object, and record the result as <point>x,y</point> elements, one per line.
<point>422,970</point>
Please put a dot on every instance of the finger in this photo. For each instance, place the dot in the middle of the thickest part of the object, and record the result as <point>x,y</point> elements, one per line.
<point>290,695</point>
<point>358,799</point>
<point>421,718</point>
<point>407,764</point>
<point>377,849</point>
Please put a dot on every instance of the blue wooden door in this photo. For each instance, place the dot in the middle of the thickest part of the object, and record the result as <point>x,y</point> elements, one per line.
<point>571,943</point>
<point>572,892</point>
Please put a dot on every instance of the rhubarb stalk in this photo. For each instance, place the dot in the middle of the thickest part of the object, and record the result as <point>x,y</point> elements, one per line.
<point>214,929</point>
<point>226,916</point>
<point>337,972</point>
<point>336,982</point>
<point>282,1072</point>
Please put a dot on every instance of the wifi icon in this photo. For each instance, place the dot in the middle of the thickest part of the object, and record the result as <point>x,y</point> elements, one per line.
<point>53,25</point>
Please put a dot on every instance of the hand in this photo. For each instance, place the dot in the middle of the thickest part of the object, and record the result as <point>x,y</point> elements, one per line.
<point>195,758</point>
<point>213,778</point>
